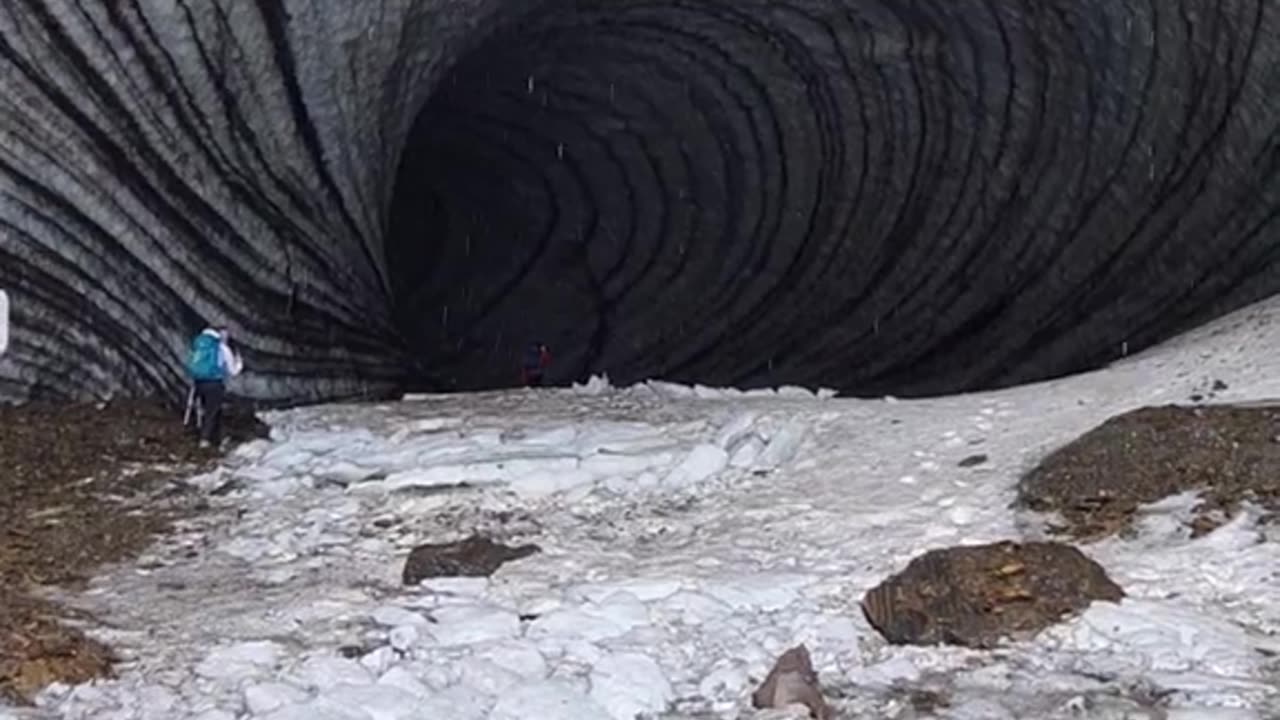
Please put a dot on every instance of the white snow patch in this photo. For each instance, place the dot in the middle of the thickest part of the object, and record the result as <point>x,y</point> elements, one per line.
<point>550,700</point>
<point>628,684</point>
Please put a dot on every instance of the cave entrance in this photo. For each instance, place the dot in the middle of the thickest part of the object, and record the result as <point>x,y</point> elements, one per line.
<point>591,180</point>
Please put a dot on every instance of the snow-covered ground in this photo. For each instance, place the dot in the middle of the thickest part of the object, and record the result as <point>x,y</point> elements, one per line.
<point>688,536</point>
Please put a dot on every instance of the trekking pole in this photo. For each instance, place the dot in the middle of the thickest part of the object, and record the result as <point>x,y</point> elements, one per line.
<point>191,403</point>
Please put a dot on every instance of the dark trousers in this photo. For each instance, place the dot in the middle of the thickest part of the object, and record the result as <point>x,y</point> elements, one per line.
<point>533,379</point>
<point>210,393</point>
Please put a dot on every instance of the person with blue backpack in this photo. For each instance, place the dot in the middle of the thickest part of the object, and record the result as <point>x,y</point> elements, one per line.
<point>211,363</point>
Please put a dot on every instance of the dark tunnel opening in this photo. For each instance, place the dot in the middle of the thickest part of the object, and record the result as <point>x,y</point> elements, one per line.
<point>888,199</point>
<point>644,186</point>
<point>580,181</point>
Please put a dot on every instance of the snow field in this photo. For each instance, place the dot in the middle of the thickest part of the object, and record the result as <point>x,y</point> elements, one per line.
<point>688,537</point>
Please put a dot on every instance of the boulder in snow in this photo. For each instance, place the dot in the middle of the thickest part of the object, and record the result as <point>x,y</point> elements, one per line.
<point>976,595</point>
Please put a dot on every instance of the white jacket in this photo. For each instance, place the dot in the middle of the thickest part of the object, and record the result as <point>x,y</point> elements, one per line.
<point>4,322</point>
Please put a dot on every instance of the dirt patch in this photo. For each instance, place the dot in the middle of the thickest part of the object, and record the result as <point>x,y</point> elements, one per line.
<point>976,595</point>
<point>82,485</point>
<point>1097,482</point>
<point>474,557</point>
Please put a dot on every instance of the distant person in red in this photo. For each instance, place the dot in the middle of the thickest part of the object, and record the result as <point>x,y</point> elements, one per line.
<point>537,358</point>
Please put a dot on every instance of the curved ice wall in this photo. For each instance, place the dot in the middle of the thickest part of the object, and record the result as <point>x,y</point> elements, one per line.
<point>881,196</point>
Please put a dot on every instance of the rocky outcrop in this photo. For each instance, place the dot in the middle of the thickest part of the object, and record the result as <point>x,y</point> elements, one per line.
<point>867,195</point>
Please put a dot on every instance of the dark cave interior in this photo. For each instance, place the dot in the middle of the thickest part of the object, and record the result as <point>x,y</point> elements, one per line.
<point>579,179</point>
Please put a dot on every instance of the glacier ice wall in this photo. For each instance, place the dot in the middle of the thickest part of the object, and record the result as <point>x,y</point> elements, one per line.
<point>876,195</point>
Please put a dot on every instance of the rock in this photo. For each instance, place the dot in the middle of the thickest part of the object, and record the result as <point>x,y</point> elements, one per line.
<point>976,595</point>
<point>474,557</point>
<point>973,460</point>
<point>792,681</point>
<point>1098,482</point>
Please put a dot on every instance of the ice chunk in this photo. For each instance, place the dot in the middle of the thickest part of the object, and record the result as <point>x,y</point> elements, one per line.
<point>467,624</point>
<point>205,715</point>
<point>479,472</point>
<point>768,592</point>
<point>628,684</point>
<point>693,608</point>
<point>519,656</point>
<point>782,446</point>
<point>487,676</point>
<point>645,589</point>
<point>240,661</point>
<point>392,616</point>
<point>463,586</point>
<point>616,616</point>
<point>1162,637</point>
<point>596,385</point>
<point>544,483</point>
<point>616,463</point>
<point>262,698</point>
<point>344,472</point>
<point>747,451</point>
<point>736,430</point>
<point>726,681</point>
<point>703,462</point>
<point>549,700</point>
<point>461,703</point>
<point>669,389</point>
<point>323,671</point>
<point>403,637</point>
<point>316,710</point>
<point>399,677</point>
<point>378,702</point>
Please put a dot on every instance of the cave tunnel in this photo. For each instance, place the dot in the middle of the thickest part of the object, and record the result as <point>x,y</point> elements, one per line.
<point>912,197</point>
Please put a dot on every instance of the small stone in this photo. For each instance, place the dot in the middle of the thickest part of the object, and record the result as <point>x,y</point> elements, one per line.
<point>792,681</point>
<point>1219,385</point>
<point>973,460</point>
<point>474,557</point>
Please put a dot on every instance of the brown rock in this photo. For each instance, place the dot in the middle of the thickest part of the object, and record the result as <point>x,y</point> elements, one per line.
<point>793,681</point>
<point>474,557</point>
<point>1098,482</point>
<point>976,595</point>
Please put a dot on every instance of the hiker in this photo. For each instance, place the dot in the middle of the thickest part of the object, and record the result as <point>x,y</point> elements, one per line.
<point>537,358</point>
<point>4,322</point>
<point>212,362</point>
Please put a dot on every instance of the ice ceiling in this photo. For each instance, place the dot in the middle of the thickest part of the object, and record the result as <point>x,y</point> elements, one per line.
<point>900,196</point>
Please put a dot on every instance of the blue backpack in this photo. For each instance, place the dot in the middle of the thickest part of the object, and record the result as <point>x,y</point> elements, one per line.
<point>533,358</point>
<point>205,362</point>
